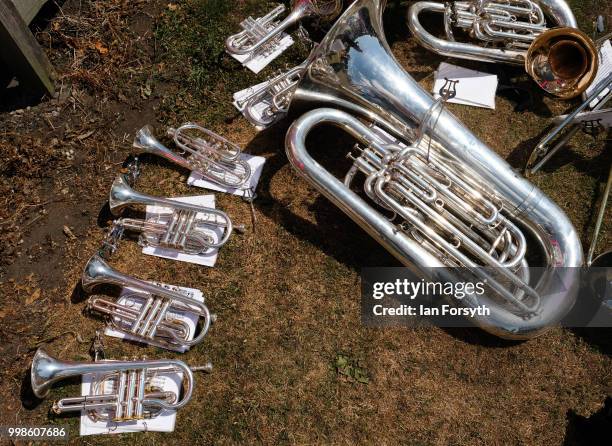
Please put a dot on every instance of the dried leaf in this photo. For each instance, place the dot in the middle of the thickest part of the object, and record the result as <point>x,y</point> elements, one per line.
<point>101,48</point>
<point>86,135</point>
<point>68,233</point>
<point>146,90</point>
<point>34,296</point>
<point>172,6</point>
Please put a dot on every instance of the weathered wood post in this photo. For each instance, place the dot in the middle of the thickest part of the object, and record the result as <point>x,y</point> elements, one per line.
<point>20,52</point>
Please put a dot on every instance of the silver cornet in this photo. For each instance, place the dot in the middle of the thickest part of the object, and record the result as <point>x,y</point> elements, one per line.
<point>210,155</point>
<point>260,33</point>
<point>542,35</point>
<point>152,318</point>
<point>267,105</point>
<point>124,390</point>
<point>183,230</point>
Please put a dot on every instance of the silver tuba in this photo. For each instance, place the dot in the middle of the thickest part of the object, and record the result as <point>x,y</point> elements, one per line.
<point>150,318</point>
<point>124,390</point>
<point>185,229</point>
<point>259,33</point>
<point>456,203</point>
<point>212,156</point>
<point>542,35</point>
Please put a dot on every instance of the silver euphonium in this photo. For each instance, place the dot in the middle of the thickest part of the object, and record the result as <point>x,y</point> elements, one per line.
<point>186,229</point>
<point>456,203</point>
<point>212,156</point>
<point>149,315</point>
<point>123,391</point>
<point>266,105</point>
<point>259,33</point>
<point>542,35</point>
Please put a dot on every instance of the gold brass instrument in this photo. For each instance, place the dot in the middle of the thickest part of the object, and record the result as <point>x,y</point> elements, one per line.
<point>458,211</point>
<point>268,104</point>
<point>258,34</point>
<point>151,318</point>
<point>184,230</point>
<point>124,391</point>
<point>542,35</point>
<point>212,156</point>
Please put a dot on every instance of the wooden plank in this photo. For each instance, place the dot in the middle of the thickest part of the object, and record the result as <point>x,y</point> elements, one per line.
<point>28,8</point>
<point>21,52</point>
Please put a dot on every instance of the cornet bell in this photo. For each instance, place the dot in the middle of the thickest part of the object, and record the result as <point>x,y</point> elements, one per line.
<point>44,372</point>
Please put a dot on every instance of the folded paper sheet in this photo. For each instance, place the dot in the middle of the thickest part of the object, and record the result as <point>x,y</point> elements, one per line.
<point>605,68</point>
<point>209,258</point>
<point>135,299</point>
<point>255,162</point>
<point>260,60</point>
<point>474,88</point>
<point>164,422</point>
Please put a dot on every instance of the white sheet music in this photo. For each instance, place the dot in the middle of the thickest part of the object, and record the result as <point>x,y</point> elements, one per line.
<point>255,162</point>
<point>209,258</point>
<point>165,422</point>
<point>135,298</point>
<point>474,88</point>
<point>259,61</point>
<point>605,68</point>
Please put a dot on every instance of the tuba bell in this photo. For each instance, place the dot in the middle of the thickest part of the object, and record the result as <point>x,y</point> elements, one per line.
<point>185,229</point>
<point>456,203</point>
<point>132,395</point>
<point>151,319</point>
<point>541,35</point>
<point>259,33</point>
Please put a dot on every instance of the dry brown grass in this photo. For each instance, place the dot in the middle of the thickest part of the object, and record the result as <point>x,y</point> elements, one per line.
<point>287,292</point>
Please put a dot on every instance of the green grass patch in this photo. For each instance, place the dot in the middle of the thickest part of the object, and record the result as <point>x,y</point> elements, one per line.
<point>191,57</point>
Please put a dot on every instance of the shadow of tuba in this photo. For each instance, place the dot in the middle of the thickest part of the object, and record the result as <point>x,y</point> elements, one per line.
<point>456,203</point>
<point>542,35</point>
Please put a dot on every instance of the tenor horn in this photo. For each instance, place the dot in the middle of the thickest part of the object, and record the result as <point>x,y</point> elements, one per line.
<point>152,318</point>
<point>182,230</point>
<point>212,156</point>
<point>258,33</point>
<point>541,35</point>
<point>456,202</point>
<point>123,391</point>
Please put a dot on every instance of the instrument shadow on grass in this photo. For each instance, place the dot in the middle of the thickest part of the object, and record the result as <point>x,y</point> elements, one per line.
<point>595,167</point>
<point>29,401</point>
<point>333,233</point>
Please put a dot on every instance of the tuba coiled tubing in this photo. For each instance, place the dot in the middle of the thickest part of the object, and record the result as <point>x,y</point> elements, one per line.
<point>341,75</point>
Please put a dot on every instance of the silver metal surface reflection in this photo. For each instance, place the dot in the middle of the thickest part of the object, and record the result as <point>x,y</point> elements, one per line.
<point>353,69</point>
